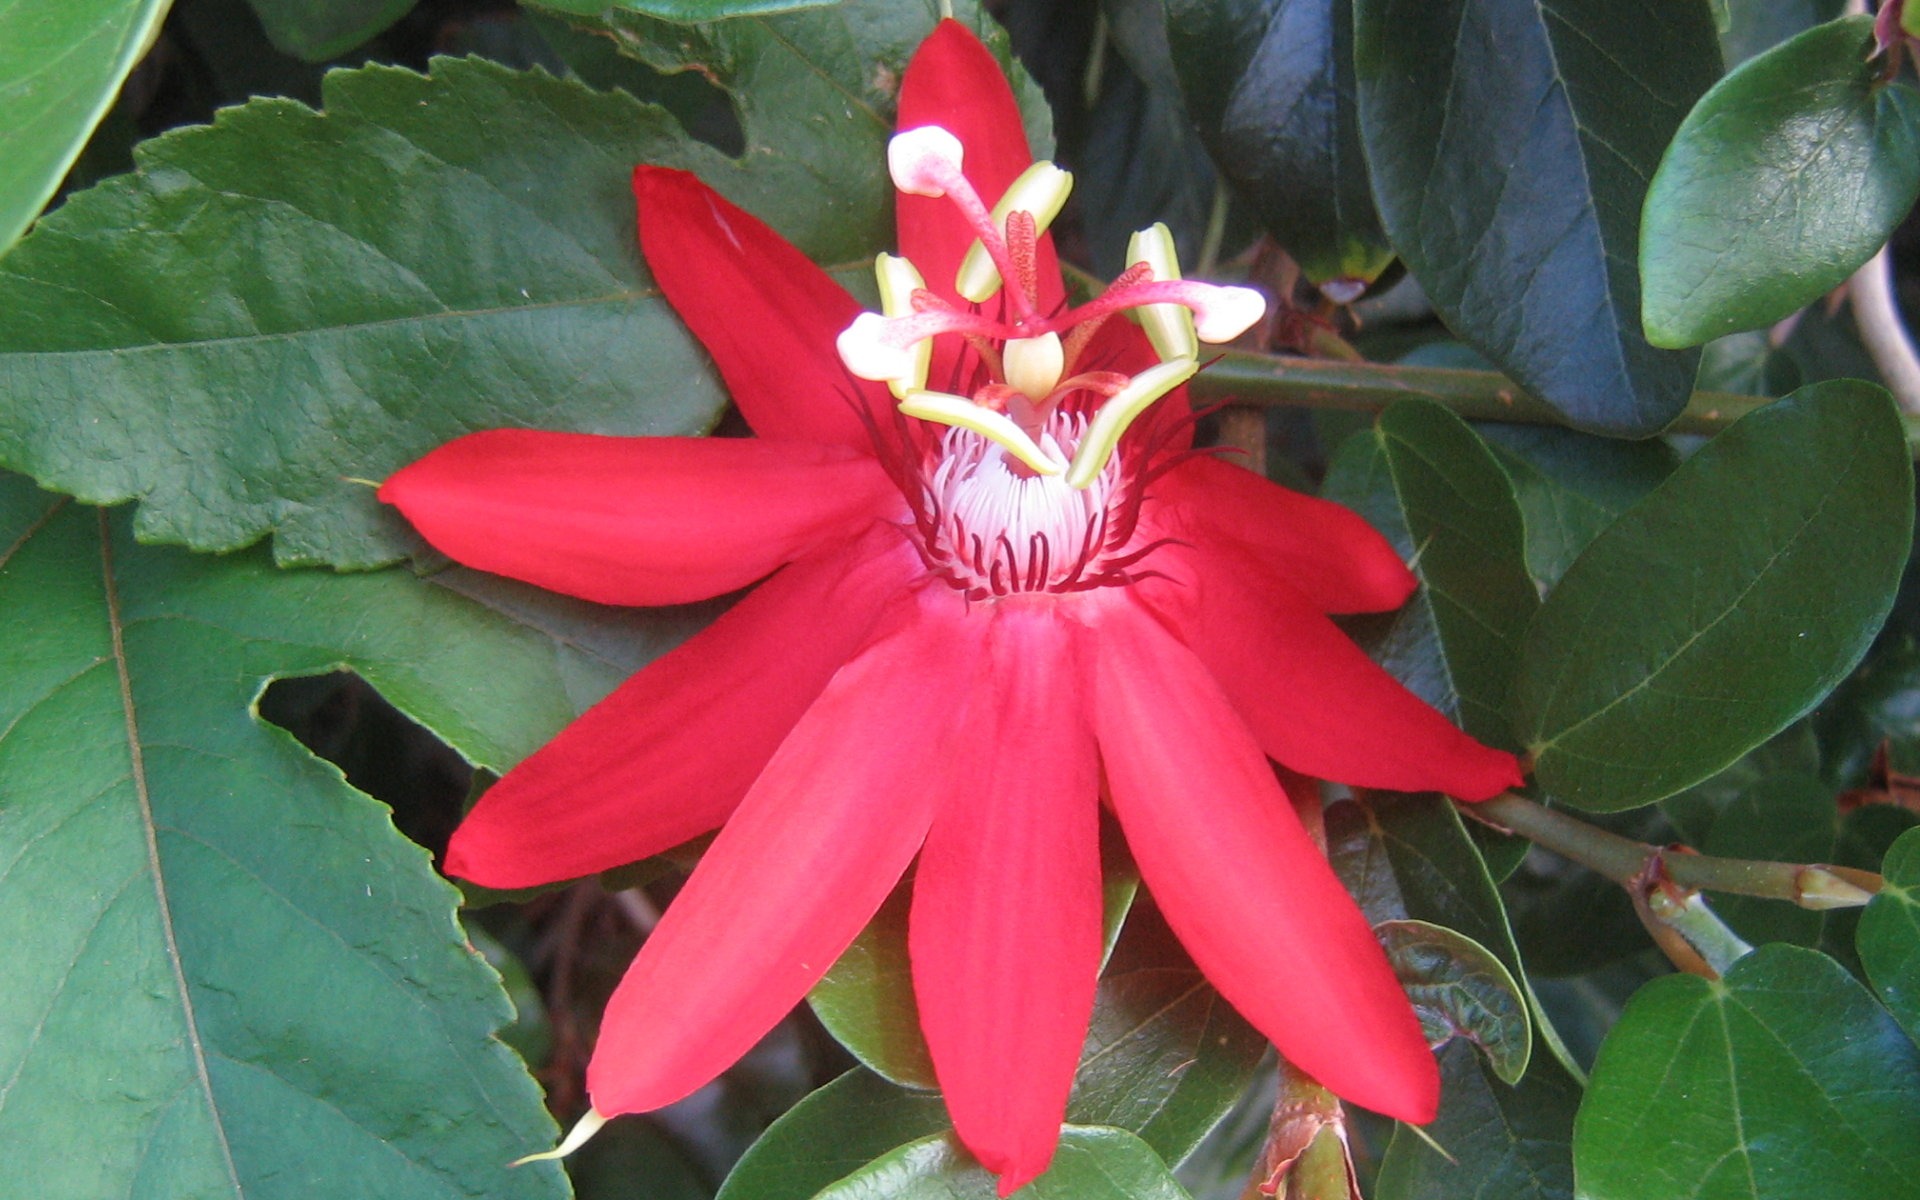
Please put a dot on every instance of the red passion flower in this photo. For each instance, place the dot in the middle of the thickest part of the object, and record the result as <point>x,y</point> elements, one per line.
<point>985,609</point>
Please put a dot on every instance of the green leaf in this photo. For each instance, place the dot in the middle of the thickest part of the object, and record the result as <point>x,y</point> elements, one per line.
<point>1510,145</point>
<point>1784,1081</point>
<point>349,314</point>
<point>316,30</point>
<point>1270,85</point>
<point>1092,1163</point>
<point>1570,486</point>
<point>225,967</point>
<point>685,11</point>
<point>431,255</point>
<point>1166,1057</point>
<point>1786,177</point>
<point>866,999</point>
<point>1460,989</point>
<point>833,1132</point>
<point>1507,1143</point>
<point>1430,485</point>
<point>61,66</point>
<point>1889,934</point>
<point>1723,606</point>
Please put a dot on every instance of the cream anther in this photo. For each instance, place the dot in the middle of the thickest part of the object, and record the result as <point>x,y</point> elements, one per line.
<point>1168,326</point>
<point>944,408</point>
<point>1103,434</point>
<point>924,161</point>
<point>1041,190</point>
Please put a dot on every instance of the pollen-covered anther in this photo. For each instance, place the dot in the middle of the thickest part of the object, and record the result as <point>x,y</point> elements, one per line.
<point>1103,433</point>
<point>925,161</point>
<point>944,408</point>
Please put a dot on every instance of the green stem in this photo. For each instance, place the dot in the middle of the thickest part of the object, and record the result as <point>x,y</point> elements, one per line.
<point>1625,861</point>
<point>1265,380</point>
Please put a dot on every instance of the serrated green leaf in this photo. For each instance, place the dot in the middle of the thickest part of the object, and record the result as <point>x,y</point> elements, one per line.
<point>1426,481</point>
<point>1786,177</point>
<point>1459,989</point>
<point>316,30</point>
<point>1722,607</point>
<point>1783,1081</point>
<point>226,970</point>
<point>61,67</point>
<point>1507,1143</point>
<point>832,1133</point>
<point>1510,145</point>
<point>350,314</point>
<point>1889,935</point>
<point>1092,1163</point>
<point>430,256</point>
<point>1270,85</point>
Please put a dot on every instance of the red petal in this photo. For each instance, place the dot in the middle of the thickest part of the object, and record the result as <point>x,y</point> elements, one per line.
<point>1327,551</point>
<point>1314,700</point>
<point>669,754</point>
<point>1250,896</point>
<point>817,844</point>
<point>636,520</point>
<point>1006,907</point>
<point>765,312</point>
<point>954,82</point>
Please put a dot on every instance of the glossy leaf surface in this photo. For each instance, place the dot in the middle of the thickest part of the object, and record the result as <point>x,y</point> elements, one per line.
<point>1426,481</point>
<point>1506,1142</point>
<point>1784,1081</point>
<point>1889,935</point>
<point>1270,85</point>
<point>1510,142</point>
<point>1786,177</point>
<point>1724,605</point>
<point>1092,1163</point>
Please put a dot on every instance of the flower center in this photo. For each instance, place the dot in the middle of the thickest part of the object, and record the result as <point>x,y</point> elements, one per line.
<point>1030,361</point>
<point>991,527</point>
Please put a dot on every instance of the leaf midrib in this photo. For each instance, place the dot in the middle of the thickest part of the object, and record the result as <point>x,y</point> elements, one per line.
<point>137,774</point>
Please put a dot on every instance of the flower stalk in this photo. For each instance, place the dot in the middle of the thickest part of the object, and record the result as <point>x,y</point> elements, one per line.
<point>1272,381</point>
<point>1815,886</point>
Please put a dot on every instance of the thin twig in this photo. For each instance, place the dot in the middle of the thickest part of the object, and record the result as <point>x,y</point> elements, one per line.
<point>1878,316</point>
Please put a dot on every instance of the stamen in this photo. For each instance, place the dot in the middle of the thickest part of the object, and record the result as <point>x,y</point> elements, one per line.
<point>887,349</point>
<point>1103,433</point>
<point>1033,365</point>
<point>901,287</point>
<point>1220,314</point>
<point>1040,190</point>
<point>1168,326</point>
<point>962,413</point>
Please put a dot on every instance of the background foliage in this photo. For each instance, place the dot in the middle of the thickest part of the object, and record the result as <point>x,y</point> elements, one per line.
<point>258,252</point>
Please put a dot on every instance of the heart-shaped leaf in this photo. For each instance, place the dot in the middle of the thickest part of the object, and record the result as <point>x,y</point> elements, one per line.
<point>1510,144</point>
<point>1785,177</point>
<point>1723,606</point>
<point>1783,1081</point>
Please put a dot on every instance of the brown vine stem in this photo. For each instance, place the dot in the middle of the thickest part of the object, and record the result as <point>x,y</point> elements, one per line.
<point>1628,863</point>
<point>1266,380</point>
